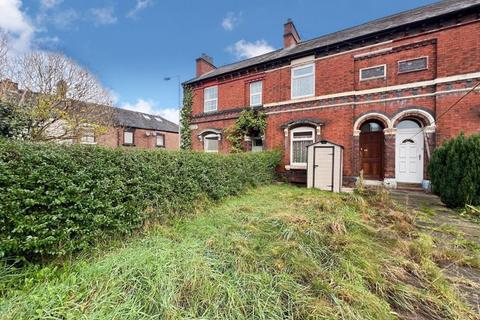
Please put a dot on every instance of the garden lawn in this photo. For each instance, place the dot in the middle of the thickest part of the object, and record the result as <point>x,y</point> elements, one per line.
<point>276,252</point>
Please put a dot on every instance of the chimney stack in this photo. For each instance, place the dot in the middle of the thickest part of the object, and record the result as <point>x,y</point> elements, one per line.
<point>290,35</point>
<point>62,88</point>
<point>204,64</point>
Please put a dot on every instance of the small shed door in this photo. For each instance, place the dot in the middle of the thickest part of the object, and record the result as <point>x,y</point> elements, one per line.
<point>323,161</point>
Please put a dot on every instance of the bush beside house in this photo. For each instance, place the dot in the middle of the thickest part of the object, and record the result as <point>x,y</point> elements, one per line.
<point>55,200</point>
<point>455,171</point>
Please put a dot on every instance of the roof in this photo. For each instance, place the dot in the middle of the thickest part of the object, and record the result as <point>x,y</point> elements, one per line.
<point>382,24</point>
<point>134,119</point>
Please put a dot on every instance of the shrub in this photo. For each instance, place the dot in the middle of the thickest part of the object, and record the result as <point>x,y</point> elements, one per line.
<point>55,200</point>
<point>455,171</point>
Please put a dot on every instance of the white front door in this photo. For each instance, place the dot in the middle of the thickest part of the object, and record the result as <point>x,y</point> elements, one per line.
<point>409,156</point>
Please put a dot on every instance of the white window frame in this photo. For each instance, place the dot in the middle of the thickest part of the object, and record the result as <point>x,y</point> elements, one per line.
<point>133,137</point>
<point>406,60</point>
<point>205,100</point>
<point>256,94</point>
<point>373,67</point>
<point>156,140</point>
<point>292,139</point>
<point>303,76</point>
<point>211,135</point>
<point>91,134</point>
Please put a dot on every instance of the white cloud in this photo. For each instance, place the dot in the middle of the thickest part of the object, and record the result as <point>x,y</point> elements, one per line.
<point>231,20</point>
<point>148,106</point>
<point>104,15</point>
<point>16,25</point>
<point>244,49</point>
<point>50,3</point>
<point>139,6</point>
<point>65,19</point>
<point>171,114</point>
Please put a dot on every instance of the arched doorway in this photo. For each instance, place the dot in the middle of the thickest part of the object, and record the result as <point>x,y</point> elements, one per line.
<point>372,149</point>
<point>409,151</point>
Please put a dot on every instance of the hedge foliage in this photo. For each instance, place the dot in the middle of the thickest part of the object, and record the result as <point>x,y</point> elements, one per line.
<point>455,171</point>
<point>55,200</point>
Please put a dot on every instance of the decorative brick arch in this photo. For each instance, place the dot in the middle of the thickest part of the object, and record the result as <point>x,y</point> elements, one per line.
<point>371,116</point>
<point>205,132</point>
<point>423,116</point>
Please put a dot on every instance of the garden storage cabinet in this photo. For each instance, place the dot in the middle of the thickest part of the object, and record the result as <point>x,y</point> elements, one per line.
<point>325,166</point>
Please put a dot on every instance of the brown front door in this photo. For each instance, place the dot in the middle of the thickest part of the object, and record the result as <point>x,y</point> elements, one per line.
<point>371,154</point>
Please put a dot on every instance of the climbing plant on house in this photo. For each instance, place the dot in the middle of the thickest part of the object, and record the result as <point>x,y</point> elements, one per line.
<point>186,119</point>
<point>251,122</point>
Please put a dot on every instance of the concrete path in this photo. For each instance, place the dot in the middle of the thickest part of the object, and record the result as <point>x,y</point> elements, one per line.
<point>452,233</point>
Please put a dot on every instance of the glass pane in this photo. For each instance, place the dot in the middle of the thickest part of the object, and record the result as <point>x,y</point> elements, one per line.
<point>256,100</point>
<point>303,134</point>
<point>299,151</point>
<point>371,127</point>
<point>211,105</point>
<point>408,124</point>
<point>160,141</point>
<point>412,65</point>
<point>302,86</point>
<point>210,144</point>
<point>303,71</point>
<point>255,87</point>
<point>210,93</point>
<point>128,137</point>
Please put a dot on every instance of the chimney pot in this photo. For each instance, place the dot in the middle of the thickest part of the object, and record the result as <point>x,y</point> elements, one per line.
<point>290,34</point>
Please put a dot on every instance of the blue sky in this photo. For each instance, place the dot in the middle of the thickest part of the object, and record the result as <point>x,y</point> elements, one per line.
<point>132,45</point>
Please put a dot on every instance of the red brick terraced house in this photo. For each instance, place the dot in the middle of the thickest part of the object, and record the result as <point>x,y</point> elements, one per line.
<point>138,130</point>
<point>383,90</point>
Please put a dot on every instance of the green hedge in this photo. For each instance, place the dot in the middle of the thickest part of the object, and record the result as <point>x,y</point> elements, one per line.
<point>455,171</point>
<point>55,200</point>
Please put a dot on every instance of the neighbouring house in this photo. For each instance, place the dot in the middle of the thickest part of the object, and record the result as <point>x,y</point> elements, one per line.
<point>384,90</point>
<point>125,128</point>
<point>141,130</point>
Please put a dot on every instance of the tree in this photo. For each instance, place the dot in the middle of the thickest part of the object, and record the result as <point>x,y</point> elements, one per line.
<point>60,99</point>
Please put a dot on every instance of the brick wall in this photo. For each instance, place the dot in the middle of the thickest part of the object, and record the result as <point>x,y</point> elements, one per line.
<point>114,138</point>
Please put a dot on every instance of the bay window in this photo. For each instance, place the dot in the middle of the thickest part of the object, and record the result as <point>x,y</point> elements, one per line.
<point>303,81</point>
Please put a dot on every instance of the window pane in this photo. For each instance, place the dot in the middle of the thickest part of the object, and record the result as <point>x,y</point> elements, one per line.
<point>302,86</point>
<point>408,124</point>
<point>210,144</point>
<point>299,151</point>
<point>256,100</point>
<point>211,93</point>
<point>211,105</point>
<point>128,137</point>
<point>160,141</point>
<point>303,134</point>
<point>303,71</point>
<point>256,87</point>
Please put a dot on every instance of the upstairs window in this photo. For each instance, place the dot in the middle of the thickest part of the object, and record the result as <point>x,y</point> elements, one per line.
<point>160,140</point>
<point>413,65</point>
<point>371,73</point>
<point>299,140</point>
<point>210,99</point>
<point>210,143</point>
<point>256,93</point>
<point>303,81</point>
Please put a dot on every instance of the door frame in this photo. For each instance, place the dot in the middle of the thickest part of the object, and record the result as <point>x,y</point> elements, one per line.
<point>333,164</point>
<point>420,163</point>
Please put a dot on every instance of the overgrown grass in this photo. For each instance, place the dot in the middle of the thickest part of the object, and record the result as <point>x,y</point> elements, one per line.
<point>278,252</point>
